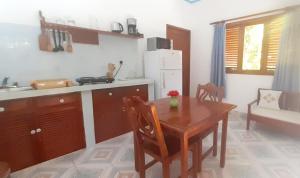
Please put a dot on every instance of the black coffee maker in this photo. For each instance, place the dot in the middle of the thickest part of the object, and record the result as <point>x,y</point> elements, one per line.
<point>131,24</point>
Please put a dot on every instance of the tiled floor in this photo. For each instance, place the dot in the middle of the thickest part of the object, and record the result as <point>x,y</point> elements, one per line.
<point>258,153</point>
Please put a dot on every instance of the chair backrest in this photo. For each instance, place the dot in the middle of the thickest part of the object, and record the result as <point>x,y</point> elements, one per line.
<point>130,108</point>
<point>145,123</point>
<point>210,92</point>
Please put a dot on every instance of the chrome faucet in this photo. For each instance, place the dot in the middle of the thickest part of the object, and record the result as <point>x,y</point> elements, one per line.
<point>4,82</point>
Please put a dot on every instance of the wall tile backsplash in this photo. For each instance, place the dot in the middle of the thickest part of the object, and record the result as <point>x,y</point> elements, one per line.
<point>22,61</point>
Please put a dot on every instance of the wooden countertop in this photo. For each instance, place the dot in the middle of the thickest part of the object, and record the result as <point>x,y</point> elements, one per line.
<point>33,93</point>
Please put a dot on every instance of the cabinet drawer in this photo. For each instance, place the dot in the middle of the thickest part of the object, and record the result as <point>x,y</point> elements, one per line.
<point>15,106</point>
<point>58,100</point>
<point>138,90</point>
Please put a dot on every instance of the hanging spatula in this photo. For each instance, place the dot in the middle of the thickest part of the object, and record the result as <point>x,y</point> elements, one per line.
<point>55,49</point>
<point>60,48</point>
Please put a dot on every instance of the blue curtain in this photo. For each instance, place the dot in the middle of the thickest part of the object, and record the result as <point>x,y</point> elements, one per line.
<point>287,74</point>
<point>217,75</point>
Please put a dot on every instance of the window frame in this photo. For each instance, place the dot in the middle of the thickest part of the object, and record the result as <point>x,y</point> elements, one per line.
<point>263,61</point>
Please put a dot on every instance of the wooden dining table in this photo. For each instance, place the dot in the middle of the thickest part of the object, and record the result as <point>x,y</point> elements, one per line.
<point>191,118</point>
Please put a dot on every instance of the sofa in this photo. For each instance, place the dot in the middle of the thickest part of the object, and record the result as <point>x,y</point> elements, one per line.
<point>286,117</point>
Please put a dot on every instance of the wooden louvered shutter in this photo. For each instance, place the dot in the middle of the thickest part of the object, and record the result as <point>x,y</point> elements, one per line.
<point>273,26</point>
<point>232,48</point>
<point>272,43</point>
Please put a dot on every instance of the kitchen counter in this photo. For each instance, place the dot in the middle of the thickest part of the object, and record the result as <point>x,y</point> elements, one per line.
<point>33,93</point>
<point>86,99</point>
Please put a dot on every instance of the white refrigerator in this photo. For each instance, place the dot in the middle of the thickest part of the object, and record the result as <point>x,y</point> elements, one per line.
<point>165,68</point>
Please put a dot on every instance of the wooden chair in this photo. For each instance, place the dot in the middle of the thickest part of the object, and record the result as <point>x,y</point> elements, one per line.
<point>215,94</point>
<point>4,170</point>
<point>151,140</point>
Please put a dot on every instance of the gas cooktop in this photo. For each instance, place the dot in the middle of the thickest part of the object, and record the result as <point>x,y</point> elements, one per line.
<point>94,80</point>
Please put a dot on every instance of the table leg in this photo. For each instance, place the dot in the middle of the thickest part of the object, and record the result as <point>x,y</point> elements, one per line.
<point>136,156</point>
<point>184,156</point>
<point>224,140</point>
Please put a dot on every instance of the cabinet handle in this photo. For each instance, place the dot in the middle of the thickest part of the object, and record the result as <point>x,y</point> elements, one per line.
<point>110,93</point>
<point>61,100</point>
<point>38,130</point>
<point>32,132</point>
<point>2,109</point>
<point>138,90</point>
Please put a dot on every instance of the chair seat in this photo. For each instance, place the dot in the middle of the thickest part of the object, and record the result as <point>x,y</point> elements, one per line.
<point>4,170</point>
<point>172,143</point>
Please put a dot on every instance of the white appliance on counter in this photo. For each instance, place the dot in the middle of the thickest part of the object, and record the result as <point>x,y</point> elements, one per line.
<point>164,66</point>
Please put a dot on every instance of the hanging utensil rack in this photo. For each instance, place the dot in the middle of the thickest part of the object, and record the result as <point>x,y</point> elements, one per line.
<point>81,34</point>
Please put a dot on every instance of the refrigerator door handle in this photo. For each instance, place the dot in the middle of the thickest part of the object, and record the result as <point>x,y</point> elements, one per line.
<point>164,63</point>
<point>164,81</point>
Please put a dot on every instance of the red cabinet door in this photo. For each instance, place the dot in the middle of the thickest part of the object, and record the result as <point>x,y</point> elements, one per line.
<point>18,144</point>
<point>109,118</point>
<point>107,105</point>
<point>59,124</point>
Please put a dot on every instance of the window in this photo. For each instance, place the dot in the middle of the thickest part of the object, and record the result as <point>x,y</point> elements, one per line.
<point>252,46</point>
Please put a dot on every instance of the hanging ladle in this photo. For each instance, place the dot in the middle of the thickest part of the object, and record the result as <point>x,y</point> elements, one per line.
<point>55,49</point>
<point>60,48</point>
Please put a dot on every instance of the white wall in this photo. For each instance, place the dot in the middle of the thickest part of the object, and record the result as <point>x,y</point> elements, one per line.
<point>25,62</point>
<point>241,89</point>
<point>21,59</point>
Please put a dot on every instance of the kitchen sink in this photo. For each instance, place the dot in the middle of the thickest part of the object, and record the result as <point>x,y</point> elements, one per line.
<point>14,89</point>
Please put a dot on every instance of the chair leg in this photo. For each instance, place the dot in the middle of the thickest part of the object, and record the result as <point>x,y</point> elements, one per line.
<point>215,141</point>
<point>196,157</point>
<point>141,163</point>
<point>166,169</point>
<point>200,156</point>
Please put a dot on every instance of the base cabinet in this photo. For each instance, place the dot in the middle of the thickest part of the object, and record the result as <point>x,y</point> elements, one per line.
<point>109,118</point>
<point>38,129</point>
<point>17,145</point>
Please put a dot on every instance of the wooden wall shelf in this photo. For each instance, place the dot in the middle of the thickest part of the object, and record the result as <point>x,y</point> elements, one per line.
<point>120,34</point>
<point>89,30</point>
<point>81,34</point>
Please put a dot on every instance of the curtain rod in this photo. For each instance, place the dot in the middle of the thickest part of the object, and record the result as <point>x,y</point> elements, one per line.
<point>257,14</point>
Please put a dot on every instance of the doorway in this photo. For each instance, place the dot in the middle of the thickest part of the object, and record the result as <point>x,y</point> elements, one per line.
<point>182,41</point>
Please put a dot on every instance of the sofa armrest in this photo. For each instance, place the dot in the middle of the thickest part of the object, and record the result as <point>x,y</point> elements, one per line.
<point>250,105</point>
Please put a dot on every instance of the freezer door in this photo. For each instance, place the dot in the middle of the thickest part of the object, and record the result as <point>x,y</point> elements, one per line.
<point>171,59</point>
<point>170,80</point>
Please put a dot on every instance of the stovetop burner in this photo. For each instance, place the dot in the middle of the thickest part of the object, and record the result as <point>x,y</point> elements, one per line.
<point>94,80</point>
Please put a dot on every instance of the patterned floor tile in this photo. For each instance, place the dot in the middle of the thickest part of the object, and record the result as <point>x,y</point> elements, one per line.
<point>128,155</point>
<point>280,171</point>
<point>247,136</point>
<point>100,155</point>
<point>123,172</point>
<point>207,173</point>
<point>81,172</point>
<point>262,151</point>
<point>243,171</point>
<point>47,173</point>
<point>270,134</point>
<point>290,150</point>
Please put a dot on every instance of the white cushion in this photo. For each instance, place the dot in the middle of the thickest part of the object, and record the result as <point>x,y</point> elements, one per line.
<point>269,99</point>
<point>282,115</point>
